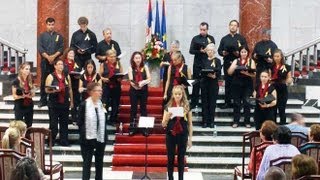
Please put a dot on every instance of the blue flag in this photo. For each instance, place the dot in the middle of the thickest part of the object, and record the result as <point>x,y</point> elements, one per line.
<point>149,21</point>
<point>164,26</point>
<point>157,22</point>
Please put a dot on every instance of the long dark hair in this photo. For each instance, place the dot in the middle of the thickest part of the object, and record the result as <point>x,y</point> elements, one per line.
<point>283,61</point>
<point>26,169</point>
<point>133,64</point>
<point>94,71</point>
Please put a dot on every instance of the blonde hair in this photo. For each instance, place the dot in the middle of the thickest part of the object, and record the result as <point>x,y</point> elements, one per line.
<point>11,138</point>
<point>20,125</point>
<point>29,77</point>
<point>184,100</point>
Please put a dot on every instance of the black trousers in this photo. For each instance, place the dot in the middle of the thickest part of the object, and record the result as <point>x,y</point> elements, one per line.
<point>209,96</point>
<point>180,141</point>
<point>25,114</point>
<point>241,92</point>
<point>196,87</point>
<point>46,69</point>
<point>228,82</point>
<point>111,97</point>
<point>137,96</point>
<point>261,115</point>
<point>76,98</point>
<point>282,98</point>
<point>88,149</point>
<point>81,59</point>
<point>59,115</point>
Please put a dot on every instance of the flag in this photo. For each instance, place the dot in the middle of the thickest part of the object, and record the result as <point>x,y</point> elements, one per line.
<point>164,26</point>
<point>149,22</point>
<point>157,22</point>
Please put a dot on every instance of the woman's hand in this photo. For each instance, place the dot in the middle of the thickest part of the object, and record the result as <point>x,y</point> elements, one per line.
<point>264,105</point>
<point>189,143</point>
<point>213,76</point>
<point>105,80</point>
<point>165,96</point>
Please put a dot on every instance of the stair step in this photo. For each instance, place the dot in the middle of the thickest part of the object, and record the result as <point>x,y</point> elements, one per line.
<point>139,160</point>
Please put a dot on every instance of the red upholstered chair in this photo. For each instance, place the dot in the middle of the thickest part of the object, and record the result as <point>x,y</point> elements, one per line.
<point>285,164</point>
<point>253,138</point>
<point>298,138</point>
<point>8,161</point>
<point>39,136</point>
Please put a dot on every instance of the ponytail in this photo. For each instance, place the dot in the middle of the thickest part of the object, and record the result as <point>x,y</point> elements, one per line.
<point>5,141</point>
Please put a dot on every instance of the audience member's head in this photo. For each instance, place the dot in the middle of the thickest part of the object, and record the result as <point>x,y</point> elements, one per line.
<point>11,139</point>
<point>298,119</point>
<point>275,173</point>
<point>282,135</point>
<point>314,133</point>
<point>303,165</point>
<point>20,125</point>
<point>26,169</point>
<point>267,130</point>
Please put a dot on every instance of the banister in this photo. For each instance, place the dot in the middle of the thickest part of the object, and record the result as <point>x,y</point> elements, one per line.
<point>12,46</point>
<point>303,47</point>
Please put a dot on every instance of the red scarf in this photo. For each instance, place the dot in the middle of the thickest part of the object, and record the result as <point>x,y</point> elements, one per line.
<point>138,75</point>
<point>112,69</point>
<point>89,79</point>
<point>243,62</point>
<point>177,127</point>
<point>26,101</point>
<point>177,74</point>
<point>275,70</point>
<point>70,65</point>
<point>262,92</point>
<point>61,84</point>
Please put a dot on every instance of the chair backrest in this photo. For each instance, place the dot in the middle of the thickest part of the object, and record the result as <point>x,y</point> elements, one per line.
<point>260,148</point>
<point>284,163</point>
<point>39,136</point>
<point>2,131</point>
<point>298,138</point>
<point>312,149</point>
<point>27,145</point>
<point>8,161</point>
<point>310,177</point>
<point>254,139</point>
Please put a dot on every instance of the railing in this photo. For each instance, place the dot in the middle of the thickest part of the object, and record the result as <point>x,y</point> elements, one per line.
<point>8,51</point>
<point>307,50</point>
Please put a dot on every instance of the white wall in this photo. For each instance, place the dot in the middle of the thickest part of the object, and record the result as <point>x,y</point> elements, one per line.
<point>294,22</point>
<point>18,24</point>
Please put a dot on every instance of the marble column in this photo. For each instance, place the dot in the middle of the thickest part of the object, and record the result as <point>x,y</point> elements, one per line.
<point>255,15</point>
<point>59,10</point>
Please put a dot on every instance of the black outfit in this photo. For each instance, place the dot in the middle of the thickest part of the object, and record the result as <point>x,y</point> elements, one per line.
<point>103,46</point>
<point>166,58</point>
<point>197,43</point>
<point>59,112</point>
<point>241,88</point>
<point>177,80</point>
<point>263,114</point>
<point>23,108</point>
<point>111,92</point>
<point>136,96</point>
<point>84,79</point>
<point>49,43</point>
<point>230,43</point>
<point>90,147</point>
<point>173,141</point>
<point>282,91</point>
<point>86,41</point>
<point>209,91</point>
<point>263,49</point>
<point>68,67</point>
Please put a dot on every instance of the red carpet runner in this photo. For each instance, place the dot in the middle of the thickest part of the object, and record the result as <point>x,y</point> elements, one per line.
<point>129,151</point>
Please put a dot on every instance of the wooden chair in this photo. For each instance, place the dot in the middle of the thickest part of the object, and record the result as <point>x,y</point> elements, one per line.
<point>285,164</point>
<point>310,177</point>
<point>312,149</point>
<point>25,146</point>
<point>254,139</point>
<point>260,148</point>
<point>2,131</point>
<point>39,136</point>
<point>298,138</point>
<point>8,161</point>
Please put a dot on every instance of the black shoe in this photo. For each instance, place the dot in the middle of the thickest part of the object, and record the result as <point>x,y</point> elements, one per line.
<point>42,104</point>
<point>211,125</point>
<point>204,125</point>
